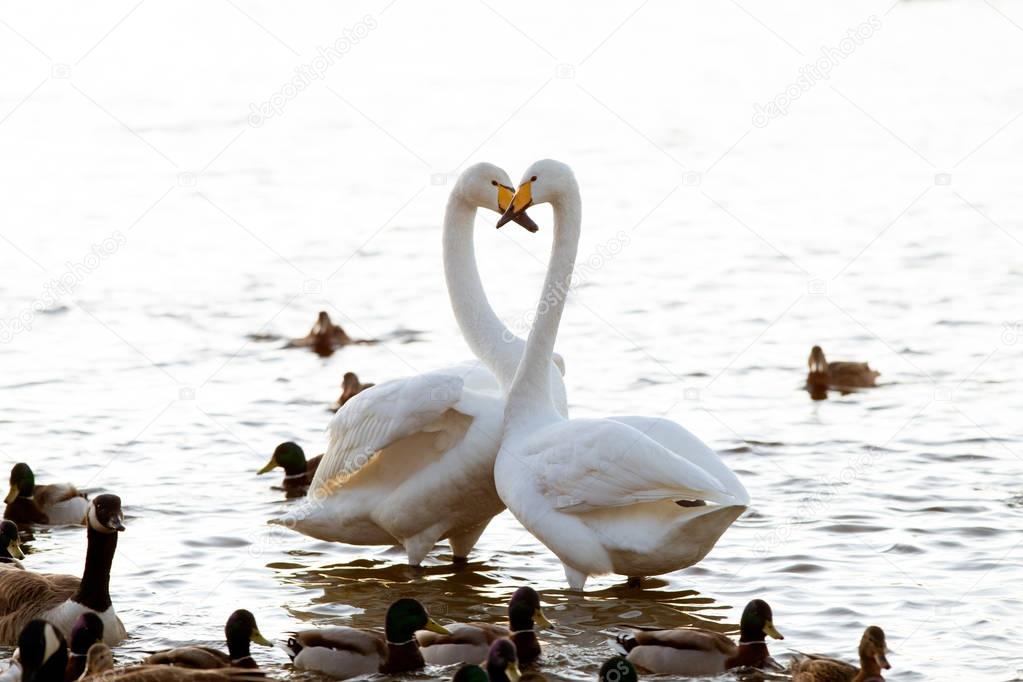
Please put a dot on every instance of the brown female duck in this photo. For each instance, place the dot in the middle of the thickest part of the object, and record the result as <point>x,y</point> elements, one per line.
<point>824,374</point>
<point>873,657</point>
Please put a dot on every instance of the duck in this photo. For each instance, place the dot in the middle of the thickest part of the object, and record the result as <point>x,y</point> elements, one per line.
<point>873,658</point>
<point>298,471</point>
<point>325,337</point>
<point>695,652</point>
<point>617,669</point>
<point>824,374</point>
<point>240,630</point>
<point>57,504</point>
<point>350,387</point>
<point>87,630</point>
<point>61,599</point>
<point>471,642</point>
<point>410,462</point>
<point>99,667</point>
<point>10,545</point>
<point>631,495</point>
<point>344,652</point>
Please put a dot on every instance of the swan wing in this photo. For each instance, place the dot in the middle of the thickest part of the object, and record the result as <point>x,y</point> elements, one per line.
<point>382,415</point>
<point>682,442</point>
<point>584,465</point>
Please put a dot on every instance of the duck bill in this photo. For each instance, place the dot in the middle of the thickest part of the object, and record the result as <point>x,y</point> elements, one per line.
<point>769,629</point>
<point>542,621</point>
<point>434,626</point>
<point>270,466</point>
<point>12,495</point>
<point>882,660</point>
<point>513,672</point>
<point>522,200</point>
<point>15,549</point>
<point>258,638</point>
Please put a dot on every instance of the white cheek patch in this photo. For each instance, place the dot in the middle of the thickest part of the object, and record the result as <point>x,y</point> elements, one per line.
<point>52,642</point>
<point>94,522</point>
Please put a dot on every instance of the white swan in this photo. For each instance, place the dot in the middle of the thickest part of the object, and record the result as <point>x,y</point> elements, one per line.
<point>411,461</point>
<point>636,496</point>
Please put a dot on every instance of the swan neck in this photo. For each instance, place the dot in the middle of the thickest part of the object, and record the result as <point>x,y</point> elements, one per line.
<point>531,390</point>
<point>488,338</point>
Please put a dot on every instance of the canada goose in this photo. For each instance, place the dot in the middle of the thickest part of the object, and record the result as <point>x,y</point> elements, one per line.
<point>61,599</point>
<point>57,504</point>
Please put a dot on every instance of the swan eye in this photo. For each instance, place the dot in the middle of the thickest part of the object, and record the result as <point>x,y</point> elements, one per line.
<point>533,179</point>
<point>494,183</point>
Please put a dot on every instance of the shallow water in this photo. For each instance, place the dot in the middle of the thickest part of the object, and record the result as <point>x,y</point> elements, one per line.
<point>715,253</point>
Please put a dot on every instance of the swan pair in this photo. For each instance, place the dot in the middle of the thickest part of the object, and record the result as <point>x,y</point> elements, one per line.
<point>420,459</point>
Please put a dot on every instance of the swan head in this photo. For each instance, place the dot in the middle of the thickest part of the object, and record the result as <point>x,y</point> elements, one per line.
<point>543,182</point>
<point>485,185</point>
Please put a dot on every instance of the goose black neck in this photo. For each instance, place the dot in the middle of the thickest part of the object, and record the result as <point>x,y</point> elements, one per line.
<point>94,591</point>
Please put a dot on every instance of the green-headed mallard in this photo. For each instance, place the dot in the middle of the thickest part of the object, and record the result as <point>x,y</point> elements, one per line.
<point>56,504</point>
<point>240,630</point>
<point>824,374</point>
<point>298,471</point>
<point>10,545</point>
<point>471,642</point>
<point>694,652</point>
<point>61,599</point>
<point>100,667</point>
<point>88,630</point>
<point>344,652</point>
<point>873,657</point>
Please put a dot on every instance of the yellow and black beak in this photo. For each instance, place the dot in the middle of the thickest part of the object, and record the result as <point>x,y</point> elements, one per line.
<point>434,626</point>
<point>15,549</point>
<point>12,495</point>
<point>516,209</point>
<point>270,466</point>
<point>769,629</point>
<point>260,639</point>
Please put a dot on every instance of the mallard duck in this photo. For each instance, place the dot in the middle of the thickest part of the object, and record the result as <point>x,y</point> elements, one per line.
<point>325,337</point>
<point>824,374</point>
<point>56,504</point>
<point>350,387</point>
<point>617,669</point>
<point>61,599</point>
<point>298,471</point>
<point>469,672</point>
<point>10,545</point>
<point>471,642</point>
<point>693,651</point>
<point>502,662</point>
<point>873,657</point>
<point>240,630</point>
<point>100,667</point>
<point>345,652</point>
<point>88,630</point>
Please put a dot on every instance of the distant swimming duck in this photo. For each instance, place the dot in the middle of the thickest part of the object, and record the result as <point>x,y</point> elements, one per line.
<point>344,652</point>
<point>88,630</point>
<point>56,504</point>
<point>471,642</point>
<point>824,374</point>
<point>298,472</point>
<point>695,652</point>
<point>240,630</point>
<point>350,387</point>
<point>873,657</point>
<point>10,545</point>
<point>325,337</point>
<point>61,599</point>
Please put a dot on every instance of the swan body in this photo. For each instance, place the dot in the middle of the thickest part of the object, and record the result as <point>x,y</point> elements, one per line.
<point>630,495</point>
<point>410,461</point>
